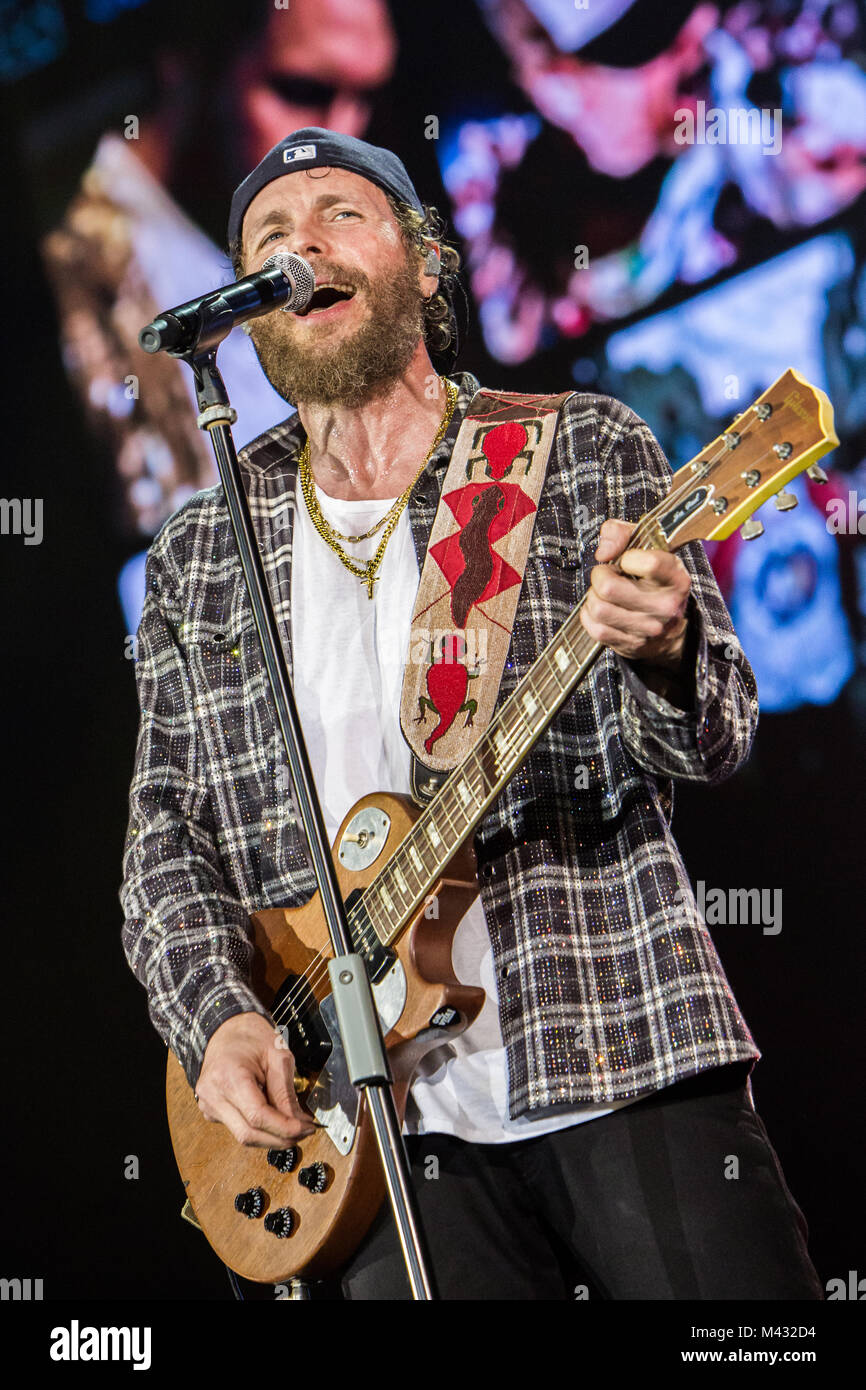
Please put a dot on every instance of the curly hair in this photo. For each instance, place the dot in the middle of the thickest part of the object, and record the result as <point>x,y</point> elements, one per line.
<point>417,232</point>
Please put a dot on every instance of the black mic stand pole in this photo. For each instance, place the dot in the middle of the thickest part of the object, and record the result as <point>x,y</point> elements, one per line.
<point>359,1022</point>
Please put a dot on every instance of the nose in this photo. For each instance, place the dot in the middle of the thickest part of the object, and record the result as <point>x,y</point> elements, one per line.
<point>299,246</point>
<point>307,237</point>
<point>305,246</point>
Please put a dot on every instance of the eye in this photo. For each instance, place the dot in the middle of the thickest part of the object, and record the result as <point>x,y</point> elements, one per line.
<point>272,234</point>
<point>347,212</point>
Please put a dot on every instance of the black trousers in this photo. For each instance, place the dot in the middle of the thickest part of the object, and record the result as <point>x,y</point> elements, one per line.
<point>678,1196</point>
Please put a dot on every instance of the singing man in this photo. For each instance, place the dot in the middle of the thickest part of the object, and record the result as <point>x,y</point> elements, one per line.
<point>582,1126</point>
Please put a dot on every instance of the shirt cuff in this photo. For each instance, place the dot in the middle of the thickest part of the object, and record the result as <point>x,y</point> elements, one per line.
<point>220,1005</point>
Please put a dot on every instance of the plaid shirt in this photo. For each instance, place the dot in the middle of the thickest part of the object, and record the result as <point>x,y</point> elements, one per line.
<point>609,983</point>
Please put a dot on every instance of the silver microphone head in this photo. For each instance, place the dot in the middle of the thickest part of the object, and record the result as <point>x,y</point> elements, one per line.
<point>300,276</point>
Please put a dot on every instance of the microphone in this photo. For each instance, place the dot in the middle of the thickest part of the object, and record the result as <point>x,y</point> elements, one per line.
<point>203,323</point>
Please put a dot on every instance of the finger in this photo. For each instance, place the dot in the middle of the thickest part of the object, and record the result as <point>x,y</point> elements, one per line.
<point>613,538</point>
<point>622,603</point>
<point>655,567</point>
<point>238,1125</point>
<point>280,1090</point>
<point>615,629</point>
<point>621,591</point>
<point>259,1115</point>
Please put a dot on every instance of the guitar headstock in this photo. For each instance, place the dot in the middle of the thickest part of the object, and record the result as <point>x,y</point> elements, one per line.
<point>783,433</point>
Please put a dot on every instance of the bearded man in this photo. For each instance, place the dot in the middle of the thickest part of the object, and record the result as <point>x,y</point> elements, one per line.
<point>582,1124</point>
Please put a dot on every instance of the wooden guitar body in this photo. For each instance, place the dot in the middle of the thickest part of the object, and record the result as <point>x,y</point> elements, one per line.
<point>326,1226</point>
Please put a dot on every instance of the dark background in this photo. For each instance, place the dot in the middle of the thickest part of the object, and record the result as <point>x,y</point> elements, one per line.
<point>83,1075</point>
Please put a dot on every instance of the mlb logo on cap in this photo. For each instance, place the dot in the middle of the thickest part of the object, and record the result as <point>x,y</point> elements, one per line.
<point>299,152</point>
<point>315,146</point>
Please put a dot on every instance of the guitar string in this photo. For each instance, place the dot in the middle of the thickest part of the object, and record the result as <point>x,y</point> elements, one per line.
<point>306,982</point>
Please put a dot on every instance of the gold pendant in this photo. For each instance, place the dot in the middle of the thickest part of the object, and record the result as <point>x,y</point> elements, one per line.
<point>371,580</point>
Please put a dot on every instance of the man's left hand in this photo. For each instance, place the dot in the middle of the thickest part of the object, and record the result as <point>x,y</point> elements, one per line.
<point>641,618</point>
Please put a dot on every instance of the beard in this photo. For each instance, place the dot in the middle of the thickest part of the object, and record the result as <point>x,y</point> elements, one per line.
<point>355,368</point>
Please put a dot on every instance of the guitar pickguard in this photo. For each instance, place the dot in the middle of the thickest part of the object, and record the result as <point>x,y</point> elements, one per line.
<point>333,1100</point>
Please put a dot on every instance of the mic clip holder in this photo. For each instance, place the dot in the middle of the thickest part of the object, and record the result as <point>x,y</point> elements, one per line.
<point>188,330</point>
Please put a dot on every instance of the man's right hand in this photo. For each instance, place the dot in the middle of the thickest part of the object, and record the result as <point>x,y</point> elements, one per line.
<point>247,1081</point>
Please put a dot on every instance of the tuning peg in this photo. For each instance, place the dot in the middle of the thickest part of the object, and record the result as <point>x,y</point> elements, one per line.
<point>752,529</point>
<point>785,501</point>
<point>816,474</point>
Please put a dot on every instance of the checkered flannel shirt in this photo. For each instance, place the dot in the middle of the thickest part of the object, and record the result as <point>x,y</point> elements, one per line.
<point>609,983</point>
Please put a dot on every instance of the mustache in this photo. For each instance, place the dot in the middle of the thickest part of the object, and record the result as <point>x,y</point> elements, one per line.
<point>332,272</point>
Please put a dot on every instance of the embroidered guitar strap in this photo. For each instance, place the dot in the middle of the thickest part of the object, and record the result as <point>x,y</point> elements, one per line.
<point>471,579</point>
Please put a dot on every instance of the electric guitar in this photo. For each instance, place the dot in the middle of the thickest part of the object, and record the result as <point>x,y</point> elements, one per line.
<point>275,1214</point>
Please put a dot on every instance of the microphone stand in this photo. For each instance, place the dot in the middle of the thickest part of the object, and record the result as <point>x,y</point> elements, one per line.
<point>360,1029</point>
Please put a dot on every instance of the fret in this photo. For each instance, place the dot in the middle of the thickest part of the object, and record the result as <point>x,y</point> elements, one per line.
<point>556,674</point>
<point>552,676</point>
<point>583,643</point>
<point>477,755</point>
<point>373,905</point>
<point>562,658</point>
<point>448,808</point>
<point>415,874</point>
<point>501,742</point>
<point>509,728</point>
<point>398,869</point>
<point>420,851</point>
<point>473,789</point>
<point>468,817</point>
<point>523,741</point>
<point>508,734</point>
<point>464,791</point>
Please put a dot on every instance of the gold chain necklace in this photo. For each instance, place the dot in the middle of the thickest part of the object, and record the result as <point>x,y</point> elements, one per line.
<point>367,572</point>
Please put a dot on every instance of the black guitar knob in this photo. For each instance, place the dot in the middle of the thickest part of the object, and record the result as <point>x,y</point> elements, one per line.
<point>280,1223</point>
<point>283,1160</point>
<point>314,1177</point>
<point>251,1203</point>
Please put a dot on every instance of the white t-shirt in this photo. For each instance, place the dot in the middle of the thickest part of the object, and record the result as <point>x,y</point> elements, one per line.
<point>348,657</point>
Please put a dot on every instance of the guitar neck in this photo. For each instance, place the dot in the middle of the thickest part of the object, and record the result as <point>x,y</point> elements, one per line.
<point>404,883</point>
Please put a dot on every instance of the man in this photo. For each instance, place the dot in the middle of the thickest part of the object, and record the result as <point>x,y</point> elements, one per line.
<point>578,1134</point>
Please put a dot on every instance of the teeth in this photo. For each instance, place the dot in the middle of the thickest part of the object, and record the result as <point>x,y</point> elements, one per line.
<point>347,290</point>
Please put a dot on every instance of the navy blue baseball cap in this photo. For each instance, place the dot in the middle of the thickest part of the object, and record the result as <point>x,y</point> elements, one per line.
<point>315,147</point>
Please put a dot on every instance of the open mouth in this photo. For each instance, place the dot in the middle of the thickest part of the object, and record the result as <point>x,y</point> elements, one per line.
<point>325,297</point>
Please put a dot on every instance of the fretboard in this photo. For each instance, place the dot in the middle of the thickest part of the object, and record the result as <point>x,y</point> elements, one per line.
<point>405,882</point>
